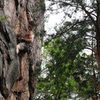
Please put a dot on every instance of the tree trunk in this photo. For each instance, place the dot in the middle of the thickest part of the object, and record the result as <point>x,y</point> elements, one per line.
<point>21,35</point>
<point>97,55</point>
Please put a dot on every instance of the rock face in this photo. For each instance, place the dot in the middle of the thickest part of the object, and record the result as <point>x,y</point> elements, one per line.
<point>21,35</point>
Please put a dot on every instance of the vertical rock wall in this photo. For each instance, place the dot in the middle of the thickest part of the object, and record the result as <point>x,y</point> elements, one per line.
<point>21,35</point>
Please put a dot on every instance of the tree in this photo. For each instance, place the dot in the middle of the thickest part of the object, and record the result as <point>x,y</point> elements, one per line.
<point>21,36</point>
<point>90,11</point>
<point>82,71</point>
<point>68,69</point>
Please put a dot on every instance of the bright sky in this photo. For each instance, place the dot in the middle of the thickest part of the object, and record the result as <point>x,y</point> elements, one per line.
<point>52,20</point>
<point>56,19</point>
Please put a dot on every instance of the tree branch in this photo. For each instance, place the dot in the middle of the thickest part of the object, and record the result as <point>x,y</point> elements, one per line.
<point>88,13</point>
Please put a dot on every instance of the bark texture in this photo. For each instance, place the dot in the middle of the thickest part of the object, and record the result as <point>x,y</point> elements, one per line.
<point>97,54</point>
<point>21,35</point>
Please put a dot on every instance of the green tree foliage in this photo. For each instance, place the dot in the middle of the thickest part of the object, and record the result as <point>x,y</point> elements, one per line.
<point>69,70</point>
<point>3,18</point>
